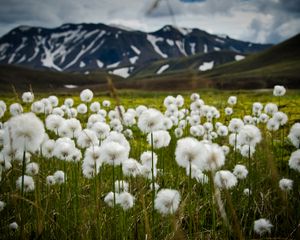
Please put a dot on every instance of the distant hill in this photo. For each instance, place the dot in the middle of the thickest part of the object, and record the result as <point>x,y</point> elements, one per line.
<point>91,47</point>
<point>279,64</point>
<point>222,69</point>
<point>22,79</point>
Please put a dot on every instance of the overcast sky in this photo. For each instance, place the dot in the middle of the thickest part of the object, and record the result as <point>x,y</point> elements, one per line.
<point>251,20</point>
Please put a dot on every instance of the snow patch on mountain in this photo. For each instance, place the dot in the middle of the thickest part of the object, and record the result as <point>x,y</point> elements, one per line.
<point>206,66</point>
<point>239,57</point>
<point>99,63</point>
<point>133,59</point>
<point>82,64</point>
<point>193,48</point>
<point>113,65</point>
<point>205,48</point>
<point>180,46</point>
<point>170,42</point>
<point>162,69</point>
<point>153,40</point>
<point>123,72</point>
<point>136,50</point>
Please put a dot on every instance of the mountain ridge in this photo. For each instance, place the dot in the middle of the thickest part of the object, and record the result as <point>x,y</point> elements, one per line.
<point>88,47</point>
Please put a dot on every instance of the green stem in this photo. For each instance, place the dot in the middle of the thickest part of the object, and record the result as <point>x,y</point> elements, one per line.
<point>153,184</point>
<point>190,200</point>
<point>22,194</point>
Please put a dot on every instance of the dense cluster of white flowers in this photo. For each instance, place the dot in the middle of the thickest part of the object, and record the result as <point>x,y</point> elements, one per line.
<point>95,134</point>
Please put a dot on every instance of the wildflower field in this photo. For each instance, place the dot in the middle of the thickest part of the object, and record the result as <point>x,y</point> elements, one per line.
<point>202,165</point>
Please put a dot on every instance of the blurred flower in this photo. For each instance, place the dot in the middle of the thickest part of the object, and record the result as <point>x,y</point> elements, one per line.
<point>167,201</point>
<point>28,183</point>
<point>262,226</point>
<point>286,184</point>
<point>225,179</point>
<point>86,95</point>
<point>294,161</point>
<point>279,91</point>
<point>27,97</point>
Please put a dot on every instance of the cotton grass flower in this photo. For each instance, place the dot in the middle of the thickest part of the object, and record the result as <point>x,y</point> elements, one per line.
<point>101,129</point>
<point>64,148</point>
<point>146,158</point>
<point>106,103</point>
<point>27,97</point>
<point>215,157</point>
<point>28,183</point>
<point>13,226</point>
<point>32,169</point>
<point>131,167</point>
<point>222,131</point>
<point>95,107</point>
<point>126,200</point>
<point>294,135</point>
<point>286,184</point>
<point>190,151</point>
<point>235,125</point>
<point>263,118</point>
<point>118,138</point>
<point>257,107</point>
<point>272,125</point>
<point>69,102</point>
<point>169,100</point>
<point>271,108</point>
<point>194,97</point>
<point>50,180</point>
<point>150,120</point>
<point>87,138</point>
<point>225,179</point>
<point>240,171</point>
<point>82,108</point>
<point>279,91</point>
<point>262,226</point>
<point>294,161</point>
<point>86,95</point>
<point>59,177</point>
<point>109,198</point>
<point>178,132</point>
<point>160,139</point>
<point>281,118</point>
<point>2,205</point>
<point>167,201</point>
<point>247,192</point>
<point>53,122</point>
<point>228,111</point>
<point>249,135</point>
<point>26,131</point>
<point>247,150</point>
<point>15,109</point>
<point>113,153</point>
<point>232,100</point>
<point>53,101</point>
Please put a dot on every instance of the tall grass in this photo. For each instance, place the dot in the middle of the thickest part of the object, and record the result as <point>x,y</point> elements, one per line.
<point>76,208</point>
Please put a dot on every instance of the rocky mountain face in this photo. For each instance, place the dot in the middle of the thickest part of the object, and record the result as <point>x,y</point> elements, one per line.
<point>90,47</point>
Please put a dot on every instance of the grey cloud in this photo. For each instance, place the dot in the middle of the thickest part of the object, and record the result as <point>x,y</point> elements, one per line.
<point>284,13</point>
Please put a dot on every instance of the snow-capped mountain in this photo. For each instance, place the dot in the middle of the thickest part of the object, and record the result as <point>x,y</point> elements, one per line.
<point>88,47</point>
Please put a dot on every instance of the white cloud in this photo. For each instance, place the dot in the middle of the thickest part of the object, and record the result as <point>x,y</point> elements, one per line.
<point>236,18</point>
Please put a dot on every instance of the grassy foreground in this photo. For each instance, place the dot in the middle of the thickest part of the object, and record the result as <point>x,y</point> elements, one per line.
<point>76,208</point>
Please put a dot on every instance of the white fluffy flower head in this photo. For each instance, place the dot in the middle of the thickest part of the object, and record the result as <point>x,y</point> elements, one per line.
<point>167,201</point>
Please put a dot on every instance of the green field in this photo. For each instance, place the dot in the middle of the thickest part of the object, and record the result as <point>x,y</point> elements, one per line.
<point>76,208</point>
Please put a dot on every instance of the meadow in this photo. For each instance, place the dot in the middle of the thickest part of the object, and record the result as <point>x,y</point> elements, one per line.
<point>150,165</point>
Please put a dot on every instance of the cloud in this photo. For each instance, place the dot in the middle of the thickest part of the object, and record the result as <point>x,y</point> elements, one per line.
<point>255,20</point>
